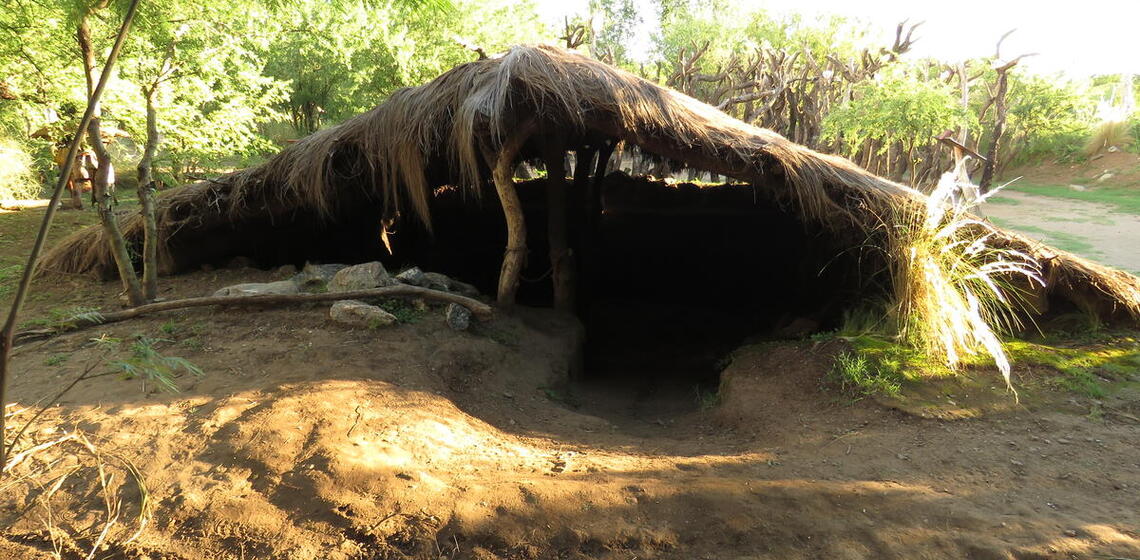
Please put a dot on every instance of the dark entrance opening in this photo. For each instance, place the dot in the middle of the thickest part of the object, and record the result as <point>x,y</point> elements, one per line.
<point>672,278</point>
<point>681,276</point>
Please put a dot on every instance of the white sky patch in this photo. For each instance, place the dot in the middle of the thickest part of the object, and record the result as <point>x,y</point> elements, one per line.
<point>1080,39</point>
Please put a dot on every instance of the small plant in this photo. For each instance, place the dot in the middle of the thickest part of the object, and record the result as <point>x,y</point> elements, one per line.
<point>56,359</point>
<point>169,328</point>
<point>404,311</point>
<point>149,364</point>
<point>862,377</point>
<point>66,318</point>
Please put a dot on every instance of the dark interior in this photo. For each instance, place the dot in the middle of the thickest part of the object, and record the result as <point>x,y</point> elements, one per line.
<point>670,280</point>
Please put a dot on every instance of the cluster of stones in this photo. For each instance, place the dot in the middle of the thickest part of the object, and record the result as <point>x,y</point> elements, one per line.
<point>335,278</point>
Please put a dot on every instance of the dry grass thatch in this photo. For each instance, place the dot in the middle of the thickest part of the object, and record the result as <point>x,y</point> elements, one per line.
<point>439,133</point>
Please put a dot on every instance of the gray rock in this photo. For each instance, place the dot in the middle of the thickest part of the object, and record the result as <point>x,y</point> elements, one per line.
<point>464,289</point>
<point>359,314</point>
<point>413,276</point>
<point>437,281</point>
<point>458,317</point>
<point>283,287</point>
<point>315,277</point>
<point>442,282</point>
<point>360,277</point>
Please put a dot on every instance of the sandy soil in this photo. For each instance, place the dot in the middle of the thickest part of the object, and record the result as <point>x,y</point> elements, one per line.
<point>1116,169</point>
<point>1090,230</point>
<point>308,440</point>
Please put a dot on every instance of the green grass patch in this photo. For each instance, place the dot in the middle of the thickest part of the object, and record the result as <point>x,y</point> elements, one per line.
<point>1083,369</point>
<point>9,279</point>
<point>1085,364</point>
<point>1004,201</point>
<point>1122,199</point>
<point>862,377</point>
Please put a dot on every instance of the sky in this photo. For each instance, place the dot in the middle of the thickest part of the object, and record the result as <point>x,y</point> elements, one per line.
<point>1078,38</point>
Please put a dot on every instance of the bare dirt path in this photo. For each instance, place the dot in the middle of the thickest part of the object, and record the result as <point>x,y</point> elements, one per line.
<point>306,440</point>
<point>1091,230</point>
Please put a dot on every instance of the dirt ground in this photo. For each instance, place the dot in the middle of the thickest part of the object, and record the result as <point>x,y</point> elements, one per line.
<point>1115,169</point>
<point>1091,230</point>
<point>307,440</point>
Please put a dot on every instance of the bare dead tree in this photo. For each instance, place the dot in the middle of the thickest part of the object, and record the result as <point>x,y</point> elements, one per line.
<point>575,34</point>
<point>998,100</point>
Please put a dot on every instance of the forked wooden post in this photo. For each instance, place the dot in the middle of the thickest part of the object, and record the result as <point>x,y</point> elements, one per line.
<point>512,211</point>
<point>561,260</point>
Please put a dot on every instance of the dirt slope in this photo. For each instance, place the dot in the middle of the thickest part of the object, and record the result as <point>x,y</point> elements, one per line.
<point>309,440</point>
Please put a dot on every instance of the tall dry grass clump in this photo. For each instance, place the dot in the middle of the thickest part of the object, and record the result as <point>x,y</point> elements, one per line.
<point>954,291</point>
<point>1110,133</point>
<point>17,178</point>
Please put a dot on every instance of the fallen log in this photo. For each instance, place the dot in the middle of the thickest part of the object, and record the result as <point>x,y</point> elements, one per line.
<point>480,310</point>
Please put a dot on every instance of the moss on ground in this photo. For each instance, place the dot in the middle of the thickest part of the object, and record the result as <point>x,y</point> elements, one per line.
<point>1084,367</point>
<point>1090,364</point>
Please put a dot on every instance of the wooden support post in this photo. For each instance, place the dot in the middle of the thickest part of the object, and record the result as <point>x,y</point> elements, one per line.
<point>557,210</point>
<point>595,198</point>
<point>588,243</point>
<point>512,211</point>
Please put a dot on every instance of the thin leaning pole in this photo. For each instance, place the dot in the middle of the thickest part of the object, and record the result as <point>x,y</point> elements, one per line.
<point>29,269</point>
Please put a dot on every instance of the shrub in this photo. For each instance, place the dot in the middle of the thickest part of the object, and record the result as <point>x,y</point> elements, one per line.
<point>954,291</point>
<point>17,175</point>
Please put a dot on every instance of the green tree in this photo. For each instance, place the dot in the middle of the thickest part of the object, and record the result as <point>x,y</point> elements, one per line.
<point>344,60</point>
<point>898,114</point>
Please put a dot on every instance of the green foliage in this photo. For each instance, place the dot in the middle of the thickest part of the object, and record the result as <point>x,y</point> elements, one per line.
<point>733,28</point>
<point>342,61</point>
<point>614,23</point>
<point>404,310</point>
<point>148,364</point>
<point>862,377</point>
<point>906,106</point>
<point>1048,118</point>
<point>17,172</point>
<point>952,291</point>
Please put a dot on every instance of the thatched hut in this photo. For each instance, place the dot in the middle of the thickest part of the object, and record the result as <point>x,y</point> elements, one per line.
<point>431,171</point>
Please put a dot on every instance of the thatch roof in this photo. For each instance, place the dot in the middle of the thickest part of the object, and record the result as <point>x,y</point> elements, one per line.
<point>394,156</point>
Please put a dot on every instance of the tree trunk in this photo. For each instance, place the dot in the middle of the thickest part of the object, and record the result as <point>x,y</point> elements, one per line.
<point>147,189</point>
<point>999,126</point>
<point>103,180</point>
<point>512,211</point>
